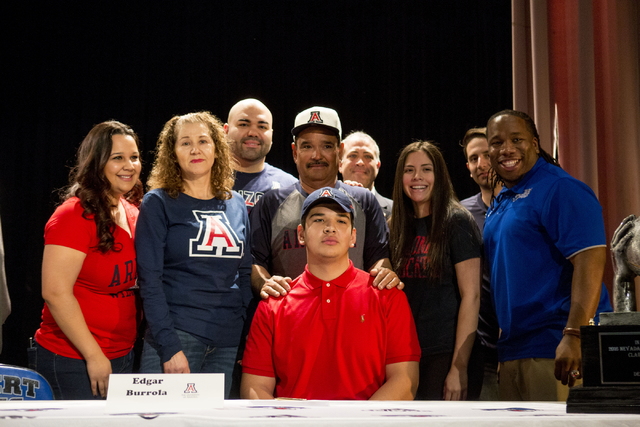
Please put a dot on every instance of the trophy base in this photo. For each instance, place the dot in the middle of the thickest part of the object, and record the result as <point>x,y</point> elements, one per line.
<point>604,400</point>
<point>628,318</point>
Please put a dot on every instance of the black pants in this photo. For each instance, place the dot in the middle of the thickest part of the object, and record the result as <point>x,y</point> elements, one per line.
<point>434,370</point>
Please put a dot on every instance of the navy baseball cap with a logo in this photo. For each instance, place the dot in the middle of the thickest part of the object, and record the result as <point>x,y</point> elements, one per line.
<point>317,116</point>
<point>327,194</point>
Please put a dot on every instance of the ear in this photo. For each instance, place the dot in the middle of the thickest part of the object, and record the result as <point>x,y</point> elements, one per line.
<point>353,237</point>
<point>226,128</point>
<point>340,150</point>
<point>379,164</point>
<point>295,152</point>
<point>536,143</point>
<point>300,234</point>
<point>468,165</point>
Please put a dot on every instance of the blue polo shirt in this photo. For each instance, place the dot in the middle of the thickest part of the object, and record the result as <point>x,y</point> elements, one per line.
<point>531,231</point>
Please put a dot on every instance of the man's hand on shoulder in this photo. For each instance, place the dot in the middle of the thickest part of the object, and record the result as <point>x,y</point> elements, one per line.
<point>275,286</point>
<point>352,183</point>
<point>266,285</point>
<point>386,278</point>
<point>384,275</point>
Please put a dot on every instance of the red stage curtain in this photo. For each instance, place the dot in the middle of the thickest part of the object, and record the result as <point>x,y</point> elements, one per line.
<point>581,57</point>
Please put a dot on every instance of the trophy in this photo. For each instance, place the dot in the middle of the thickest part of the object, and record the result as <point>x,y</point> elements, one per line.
<point>611,350</point>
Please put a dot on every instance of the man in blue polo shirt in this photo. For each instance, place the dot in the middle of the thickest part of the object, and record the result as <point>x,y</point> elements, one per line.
<point>544,237</point>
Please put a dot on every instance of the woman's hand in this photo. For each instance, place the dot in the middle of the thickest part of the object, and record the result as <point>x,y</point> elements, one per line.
<point>99,369</point>
<point>178,364</point>
<point>455,385</point>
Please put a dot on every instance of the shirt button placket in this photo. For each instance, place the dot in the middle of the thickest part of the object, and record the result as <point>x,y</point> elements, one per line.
<point>329,303</point>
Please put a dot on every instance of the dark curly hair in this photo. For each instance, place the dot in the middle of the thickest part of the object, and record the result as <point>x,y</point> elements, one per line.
<point>88,182</point>
<point>166,172</point>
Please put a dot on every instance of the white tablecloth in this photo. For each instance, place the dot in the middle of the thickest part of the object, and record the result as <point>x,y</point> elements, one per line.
<point>311,413</point>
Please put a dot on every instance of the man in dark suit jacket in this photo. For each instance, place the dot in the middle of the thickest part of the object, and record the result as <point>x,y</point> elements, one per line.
<point>361,162</point>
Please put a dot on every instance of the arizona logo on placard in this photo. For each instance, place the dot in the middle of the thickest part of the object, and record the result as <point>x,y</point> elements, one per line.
<point>216,237</point>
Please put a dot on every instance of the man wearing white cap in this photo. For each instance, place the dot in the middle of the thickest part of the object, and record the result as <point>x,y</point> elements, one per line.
<point>277,254</point>
<point>333,336</point>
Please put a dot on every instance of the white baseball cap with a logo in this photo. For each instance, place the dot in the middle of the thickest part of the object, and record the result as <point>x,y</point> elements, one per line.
<point>317,116</point>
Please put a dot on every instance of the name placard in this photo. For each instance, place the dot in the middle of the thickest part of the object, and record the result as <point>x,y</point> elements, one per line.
<point>620,357</point>
<point>164,392</point>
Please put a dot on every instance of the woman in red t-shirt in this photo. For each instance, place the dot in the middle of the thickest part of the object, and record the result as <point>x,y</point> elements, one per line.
<point>89,319</point>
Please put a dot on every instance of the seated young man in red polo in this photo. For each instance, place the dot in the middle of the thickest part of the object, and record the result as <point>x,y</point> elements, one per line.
<point>333,336</point>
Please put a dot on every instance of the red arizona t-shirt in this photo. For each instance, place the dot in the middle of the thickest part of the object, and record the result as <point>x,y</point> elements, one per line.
<point>101,288</point>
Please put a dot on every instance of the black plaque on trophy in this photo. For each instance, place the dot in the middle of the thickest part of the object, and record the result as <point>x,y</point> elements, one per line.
<point>610,371</point>
<point>620,357</point>
<point>610,355</point>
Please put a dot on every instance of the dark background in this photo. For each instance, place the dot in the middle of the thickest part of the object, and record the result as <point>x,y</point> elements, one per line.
<point>399,70</point>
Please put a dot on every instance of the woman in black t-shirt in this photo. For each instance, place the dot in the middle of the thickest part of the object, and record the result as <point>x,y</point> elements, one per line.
<point>435,249</point>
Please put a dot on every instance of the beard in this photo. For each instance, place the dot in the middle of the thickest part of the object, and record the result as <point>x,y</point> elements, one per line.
<point>250,154</point>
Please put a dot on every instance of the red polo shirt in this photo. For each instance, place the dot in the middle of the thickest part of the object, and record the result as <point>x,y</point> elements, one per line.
<point>331,340</point>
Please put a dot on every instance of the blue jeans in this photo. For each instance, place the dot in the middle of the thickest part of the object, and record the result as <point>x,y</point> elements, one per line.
<point>68,377</point>
<point>203,358</point>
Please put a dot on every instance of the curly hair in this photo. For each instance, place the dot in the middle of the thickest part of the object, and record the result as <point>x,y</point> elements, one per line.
<point>443,205</point>
<point>166,172</point>
<point>88,182</point>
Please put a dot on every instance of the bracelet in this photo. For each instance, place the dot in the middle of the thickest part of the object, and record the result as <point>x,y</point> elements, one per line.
<point>571,331</point>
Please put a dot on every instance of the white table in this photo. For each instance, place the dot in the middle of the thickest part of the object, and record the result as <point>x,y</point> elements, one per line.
<point>312,413</point>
